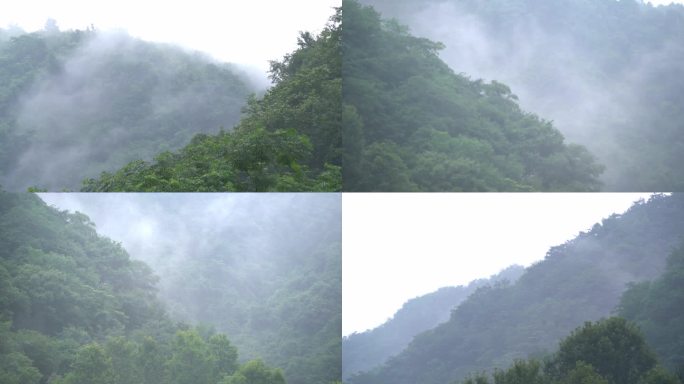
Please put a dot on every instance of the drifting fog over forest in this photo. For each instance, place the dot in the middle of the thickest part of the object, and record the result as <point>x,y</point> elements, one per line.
<point>79,101</point>
<point>592,299</point>
<point>262,268</point>
<point>607,74</point>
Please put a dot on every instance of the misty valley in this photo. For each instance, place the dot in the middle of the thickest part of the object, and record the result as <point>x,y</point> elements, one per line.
<point>604,307</point>
<point>512,95</point>
<point>102,111</point>
<point>391,95</point>
<point>195,289</point>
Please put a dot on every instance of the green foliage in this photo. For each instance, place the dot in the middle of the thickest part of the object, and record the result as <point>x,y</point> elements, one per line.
<point>275,287</point>
<point>607,72</point>
<point>289,140</point>
<point>248,159</point>
<point>91,366</point>
<point>581,280</point>
<point>74,309</point>
<point>583,373</point>
<point>658,308</point>
<point>613,347</point>
<point>363,351</point>
<point>76,103</point>
<point>608,351</point>
<point>659,375</point>
<point>521,372</point>
<point>16,368</point>
<point>412,124</point>
<point>190,359</point>
<point>255,372</point>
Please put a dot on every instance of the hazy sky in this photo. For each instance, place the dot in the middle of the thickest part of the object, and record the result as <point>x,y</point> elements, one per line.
<point>664,2</point>
<point>245,31</point>
<point>399,246</point>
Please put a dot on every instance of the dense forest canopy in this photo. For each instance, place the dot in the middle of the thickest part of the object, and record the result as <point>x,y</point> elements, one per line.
<point>581,280</point>
<point>76,103</point>
<point>607,72</point>
<point>75,308</point>
<point>365,350</point>
<point>412,124</point>
<point>657,307</point>
<point>263,269</point>
<point>609,351</point>
<point>288,140</point>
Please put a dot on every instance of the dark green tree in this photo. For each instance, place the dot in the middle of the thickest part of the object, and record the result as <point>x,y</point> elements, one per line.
<point>255,372</point>
<point>92,365</point>
<point>615,348</point>
<point>412,124</point>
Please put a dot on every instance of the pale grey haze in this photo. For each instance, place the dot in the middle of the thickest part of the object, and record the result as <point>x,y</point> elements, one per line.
<point>399,246</point>
<point>243,32</point>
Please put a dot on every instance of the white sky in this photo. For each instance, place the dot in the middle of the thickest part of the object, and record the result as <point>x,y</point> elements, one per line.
<point>247,32</point>
<point>664,2</point>
<point>399,246</point>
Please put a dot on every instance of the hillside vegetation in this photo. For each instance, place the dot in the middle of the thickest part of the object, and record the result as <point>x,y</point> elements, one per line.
<point>411,123</point>
<point>607,72</point>
<point>288,140</point>
<point>74,308</point>
<point>262,268</point>
<point>365,350</point>
<point>76,103</point>
<point>581,280</point>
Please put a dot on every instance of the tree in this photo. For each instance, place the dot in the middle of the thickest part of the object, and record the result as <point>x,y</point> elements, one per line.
<point>583,373</point>
<point>255,372</point>
<point>91,366</point>
<point>151,360</point>
<point>521,372</point>
<point>613,347</point>
<point>224,355</point>
<point>190,361</point>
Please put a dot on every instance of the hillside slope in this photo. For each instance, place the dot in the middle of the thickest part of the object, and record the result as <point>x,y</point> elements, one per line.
<point>581,280</point>
<point>262,268</point>
<point>74,308</point>
<point>657,307</point>
<point>288,140</point>
<point>365,350</point>
<point>76,103</point>
<point>607,72</point>
<point>411,123</point>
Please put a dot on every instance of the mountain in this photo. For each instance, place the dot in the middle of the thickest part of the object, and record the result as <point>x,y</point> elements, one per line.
<point>365,350</point>
<point>657,307</point>
<point>76,103</point>
<point>609,351</point>
<point>411,123</point>
<point>606,72</point>
<point>288,140</point>
<point>581,280</point>
<point>74,308</point>
<point>264,269</point>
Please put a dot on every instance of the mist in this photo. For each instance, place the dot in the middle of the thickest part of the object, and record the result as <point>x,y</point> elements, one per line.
<point>583,278</point>
<point>610,102</point>
<point>167,230</point>
<point>250,265</point>
<point>116,99</point>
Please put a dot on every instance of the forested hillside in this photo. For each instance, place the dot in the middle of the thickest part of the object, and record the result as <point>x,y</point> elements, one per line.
<point>76,103</point>
<point>581,280</point>
<point>411,123</point>
<point>289,140</point>
<point>264,269</point>
<point>366,350</point>
<point>609,351</point>
<point>74,308</point>
<point>607,72</point>
<point>657,307</point>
